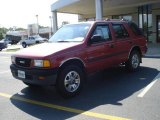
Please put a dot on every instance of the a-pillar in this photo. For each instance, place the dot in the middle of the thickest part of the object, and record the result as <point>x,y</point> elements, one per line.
<point>99,9</point>
<point>55,25</point>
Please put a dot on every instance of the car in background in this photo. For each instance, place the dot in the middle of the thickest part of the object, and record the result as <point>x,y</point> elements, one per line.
<point>31,40</point>
<point>7,41</point>
<point>3,45</point>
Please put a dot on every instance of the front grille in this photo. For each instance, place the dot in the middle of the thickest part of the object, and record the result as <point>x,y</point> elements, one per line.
<point>23,62</point>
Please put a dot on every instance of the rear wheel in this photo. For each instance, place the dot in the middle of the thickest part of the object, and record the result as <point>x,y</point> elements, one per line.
<point>70,81</point>
<point>24,45</point>
<point>134,61</point>
<point>37,42</point>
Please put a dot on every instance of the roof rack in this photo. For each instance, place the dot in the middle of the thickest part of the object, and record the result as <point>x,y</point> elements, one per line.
<point>108,19</point>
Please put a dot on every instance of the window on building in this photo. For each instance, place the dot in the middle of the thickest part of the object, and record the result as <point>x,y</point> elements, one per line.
<point>145,20</point>
<point>120,31</point>
<point>126,17</point>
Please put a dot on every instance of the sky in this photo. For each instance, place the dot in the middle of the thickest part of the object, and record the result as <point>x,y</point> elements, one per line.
<point>20,13</point>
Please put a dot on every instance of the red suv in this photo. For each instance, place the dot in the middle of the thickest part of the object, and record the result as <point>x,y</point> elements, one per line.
<point>76,50</point>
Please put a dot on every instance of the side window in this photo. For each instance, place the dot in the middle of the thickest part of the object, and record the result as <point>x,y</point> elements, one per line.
<point>120,31</point>
<point>32,38</point>
<point>103,31</point>
<point>135,29</point>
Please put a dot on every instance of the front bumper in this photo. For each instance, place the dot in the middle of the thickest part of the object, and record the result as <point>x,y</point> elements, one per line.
<point>33,75</point>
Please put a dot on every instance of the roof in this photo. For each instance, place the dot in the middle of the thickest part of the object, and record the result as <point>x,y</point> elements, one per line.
<point>87,7</point>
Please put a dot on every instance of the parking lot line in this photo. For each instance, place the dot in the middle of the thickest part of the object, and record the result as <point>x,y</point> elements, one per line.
<point>146,89</point>
<point>63,108</point>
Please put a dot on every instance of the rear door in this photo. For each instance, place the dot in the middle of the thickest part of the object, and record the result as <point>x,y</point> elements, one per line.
<point>123,42</point>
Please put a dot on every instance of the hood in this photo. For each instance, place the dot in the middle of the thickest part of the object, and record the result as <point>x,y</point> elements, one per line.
<point>45,49</point>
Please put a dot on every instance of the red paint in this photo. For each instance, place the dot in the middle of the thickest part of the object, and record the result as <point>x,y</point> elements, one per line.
<point>94,56</point>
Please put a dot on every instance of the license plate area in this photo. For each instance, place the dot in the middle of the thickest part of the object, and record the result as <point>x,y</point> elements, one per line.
<point>21,74</point>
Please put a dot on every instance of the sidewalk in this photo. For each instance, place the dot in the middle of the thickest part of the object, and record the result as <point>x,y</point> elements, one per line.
<point>11,49</point>
<point>153,50</point>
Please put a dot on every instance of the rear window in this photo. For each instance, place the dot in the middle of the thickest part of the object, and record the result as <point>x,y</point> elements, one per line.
<point>136,30</point>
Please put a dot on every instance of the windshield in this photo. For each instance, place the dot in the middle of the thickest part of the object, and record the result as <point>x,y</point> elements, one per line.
<point>71,33</point>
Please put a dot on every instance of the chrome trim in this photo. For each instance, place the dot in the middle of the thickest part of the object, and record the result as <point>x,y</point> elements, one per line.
<point>72,81</point>
<point>74,58</point>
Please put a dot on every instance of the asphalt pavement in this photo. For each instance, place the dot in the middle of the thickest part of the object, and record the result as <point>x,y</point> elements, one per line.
<point>110,94</point>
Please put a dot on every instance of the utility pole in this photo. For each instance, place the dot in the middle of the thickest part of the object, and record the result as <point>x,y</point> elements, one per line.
<point>51,24</point>
<point>37,25</point>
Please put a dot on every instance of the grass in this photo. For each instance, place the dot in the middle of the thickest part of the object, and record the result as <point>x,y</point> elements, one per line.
<point>12,50</point>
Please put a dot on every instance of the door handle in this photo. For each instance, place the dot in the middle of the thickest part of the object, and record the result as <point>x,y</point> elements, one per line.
<point>111,45</point>
<point>130,42</point>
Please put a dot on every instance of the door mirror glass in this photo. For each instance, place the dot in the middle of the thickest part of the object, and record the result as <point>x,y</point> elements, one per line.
<point>96,38</point>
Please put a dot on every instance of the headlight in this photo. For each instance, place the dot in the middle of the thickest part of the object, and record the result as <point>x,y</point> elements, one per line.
<point>41,63</point>
<point>13,59</point>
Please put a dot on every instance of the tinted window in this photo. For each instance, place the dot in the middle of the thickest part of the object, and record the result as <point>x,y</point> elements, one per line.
<point>135,29</point>
<point>120,31</point>
<point>103,31</point>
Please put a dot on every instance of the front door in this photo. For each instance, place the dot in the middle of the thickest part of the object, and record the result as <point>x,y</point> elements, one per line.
<point>99,52</point>
<point>158,28</point>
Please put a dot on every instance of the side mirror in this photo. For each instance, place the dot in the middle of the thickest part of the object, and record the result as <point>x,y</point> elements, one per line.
<point>95,38</point>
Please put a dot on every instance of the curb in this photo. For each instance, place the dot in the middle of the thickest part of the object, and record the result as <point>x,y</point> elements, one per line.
<point>7,53</point>
<point>152,56</point>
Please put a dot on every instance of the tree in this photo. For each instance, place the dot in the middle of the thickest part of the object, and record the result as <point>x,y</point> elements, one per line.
<point>3,32</point>
<point>1,36</point>
<point>20,29</point>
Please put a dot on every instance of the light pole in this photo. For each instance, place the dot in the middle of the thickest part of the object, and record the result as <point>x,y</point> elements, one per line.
<point>37,25</point>
<point>51,24</point>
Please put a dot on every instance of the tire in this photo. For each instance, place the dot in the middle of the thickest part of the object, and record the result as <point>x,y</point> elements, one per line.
<point>24,45</point>
<point>134,61</point>
<point>0,49</point>
<point>70,81</point>
<point>37,42</point>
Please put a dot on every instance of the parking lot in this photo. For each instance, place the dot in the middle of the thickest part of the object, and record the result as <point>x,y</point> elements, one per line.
<point>110,94</point>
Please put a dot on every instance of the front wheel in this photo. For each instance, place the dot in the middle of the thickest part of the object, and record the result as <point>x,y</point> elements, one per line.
<point>134,61</point>
<point>24,45</point>
<point>70,81</point>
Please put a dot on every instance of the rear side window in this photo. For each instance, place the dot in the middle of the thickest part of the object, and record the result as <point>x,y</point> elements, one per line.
<point>120,31</point>
<point>135,29</point>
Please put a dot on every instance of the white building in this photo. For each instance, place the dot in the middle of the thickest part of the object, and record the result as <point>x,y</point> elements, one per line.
<point>146,13</point>
<point>43,32</point>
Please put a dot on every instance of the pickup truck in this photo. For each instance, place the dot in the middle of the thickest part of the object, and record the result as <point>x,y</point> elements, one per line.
<point>77,50</point>
<point>32,40</point>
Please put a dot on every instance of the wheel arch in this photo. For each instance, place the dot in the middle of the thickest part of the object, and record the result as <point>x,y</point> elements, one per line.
<point>69,61</point>
<point>75,61</point>
<point>136,48</point>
